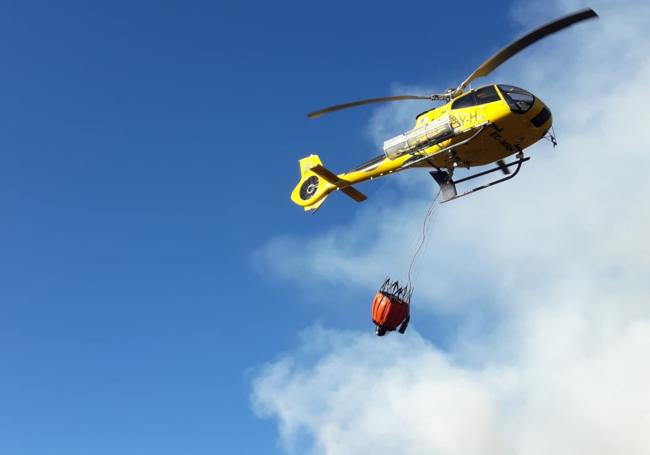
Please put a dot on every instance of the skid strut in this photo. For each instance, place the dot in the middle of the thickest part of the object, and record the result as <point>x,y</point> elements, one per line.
<point>448,184</point>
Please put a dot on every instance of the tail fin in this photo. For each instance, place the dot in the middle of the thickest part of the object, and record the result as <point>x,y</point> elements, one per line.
<point>307,163</point>
<point>317,182</point>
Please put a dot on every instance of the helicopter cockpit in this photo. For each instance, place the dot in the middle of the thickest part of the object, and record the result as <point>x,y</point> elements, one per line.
<point>483,95</point>
<point>519,100</point>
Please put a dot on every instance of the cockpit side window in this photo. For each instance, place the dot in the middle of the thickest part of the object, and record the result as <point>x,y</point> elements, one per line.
<point>465,101</point>
<point>519,100</point>
<point>486,95</point>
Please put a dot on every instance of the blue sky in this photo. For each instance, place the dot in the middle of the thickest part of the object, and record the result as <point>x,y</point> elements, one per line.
<point>147,154</point>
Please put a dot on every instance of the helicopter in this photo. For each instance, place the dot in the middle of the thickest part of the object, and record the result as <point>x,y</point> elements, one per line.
<point>474,127</point>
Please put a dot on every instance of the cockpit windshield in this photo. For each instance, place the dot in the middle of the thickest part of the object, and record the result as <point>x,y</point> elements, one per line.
<point>518,99</point>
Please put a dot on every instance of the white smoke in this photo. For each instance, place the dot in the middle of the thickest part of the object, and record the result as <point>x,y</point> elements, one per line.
<point>560,254</point>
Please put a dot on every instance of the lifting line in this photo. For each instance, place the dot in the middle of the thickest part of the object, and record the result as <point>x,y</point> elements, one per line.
<point>423,238</point>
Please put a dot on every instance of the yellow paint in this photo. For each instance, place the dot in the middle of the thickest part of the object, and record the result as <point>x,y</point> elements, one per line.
<point>505,134</point>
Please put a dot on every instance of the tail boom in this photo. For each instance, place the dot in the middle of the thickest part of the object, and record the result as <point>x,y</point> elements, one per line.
<point>317,182</point>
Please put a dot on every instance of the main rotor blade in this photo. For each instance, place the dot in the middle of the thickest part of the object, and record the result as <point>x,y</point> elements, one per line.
<point>338,107</point>
<point>542,32</point>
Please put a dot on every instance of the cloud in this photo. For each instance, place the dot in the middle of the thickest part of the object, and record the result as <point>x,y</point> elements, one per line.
<point>416,403</point>
<point>406,396</point>
<point>560,255</point>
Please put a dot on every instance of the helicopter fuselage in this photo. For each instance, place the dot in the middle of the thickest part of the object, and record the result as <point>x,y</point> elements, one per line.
<point>482,126</point>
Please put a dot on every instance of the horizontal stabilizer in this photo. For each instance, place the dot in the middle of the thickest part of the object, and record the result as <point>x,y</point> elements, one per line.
<point>326,174</point>
<point>341,184</point>
<point>354,193</point>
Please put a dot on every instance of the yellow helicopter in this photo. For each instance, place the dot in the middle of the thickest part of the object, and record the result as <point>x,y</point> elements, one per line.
<point>473,128</point>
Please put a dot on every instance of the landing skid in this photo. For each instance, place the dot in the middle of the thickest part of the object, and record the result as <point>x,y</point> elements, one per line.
<point>448,184</point>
